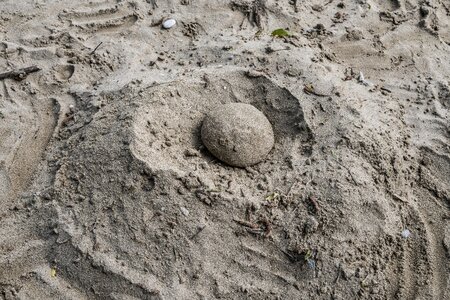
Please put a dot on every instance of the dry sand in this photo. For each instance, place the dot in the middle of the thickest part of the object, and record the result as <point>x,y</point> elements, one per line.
<point>106,191</point>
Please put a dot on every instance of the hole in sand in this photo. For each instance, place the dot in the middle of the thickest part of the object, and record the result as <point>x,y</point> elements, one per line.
<point>64,72</point>
<point>169,122</point>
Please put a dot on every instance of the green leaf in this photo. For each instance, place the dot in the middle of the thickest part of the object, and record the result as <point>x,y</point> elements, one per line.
<point>272,197</point>
<point>280,32</point>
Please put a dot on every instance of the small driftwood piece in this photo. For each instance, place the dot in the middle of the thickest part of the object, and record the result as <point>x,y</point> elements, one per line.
<point>93,51</point>
<point>19,74</point>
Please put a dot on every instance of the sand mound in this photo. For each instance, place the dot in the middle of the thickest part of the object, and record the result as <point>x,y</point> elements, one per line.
<point>108,192</point>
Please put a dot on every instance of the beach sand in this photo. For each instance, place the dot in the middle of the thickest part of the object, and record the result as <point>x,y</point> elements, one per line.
<point>107,191</point>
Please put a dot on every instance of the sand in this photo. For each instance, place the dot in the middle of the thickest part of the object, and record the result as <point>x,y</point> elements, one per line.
<point>107,191</point>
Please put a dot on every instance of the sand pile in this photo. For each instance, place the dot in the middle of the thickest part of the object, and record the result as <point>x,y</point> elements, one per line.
<point>114,185</point>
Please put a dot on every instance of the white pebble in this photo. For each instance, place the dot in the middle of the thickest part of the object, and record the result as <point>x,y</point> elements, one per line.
<point>406,233</point>
<point>169,23</point>
<point>361,77</point>
<point>184,211</point>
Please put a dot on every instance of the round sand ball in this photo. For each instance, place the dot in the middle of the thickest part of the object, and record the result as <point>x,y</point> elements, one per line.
<point>238,134</point>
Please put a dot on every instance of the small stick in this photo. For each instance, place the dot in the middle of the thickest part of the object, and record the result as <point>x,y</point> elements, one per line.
<point>385,89</point>
<point>93,51</point>
<point>309,89</point>
<point>19,73</point>
<point>153,3</point>
<point>199,229</point>
<point>338,274</point>
<point>348,170</point>
<point>398,198</point>
<point>314,203</point>
<point>246,223</point>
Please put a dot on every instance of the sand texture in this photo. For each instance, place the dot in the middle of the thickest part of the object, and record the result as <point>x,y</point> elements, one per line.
<point>108,192</point>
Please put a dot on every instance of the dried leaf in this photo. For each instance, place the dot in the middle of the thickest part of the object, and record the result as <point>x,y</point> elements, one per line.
<point>309,89</point>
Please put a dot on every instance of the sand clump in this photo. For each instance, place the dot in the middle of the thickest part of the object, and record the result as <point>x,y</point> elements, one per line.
<point>238,134</point>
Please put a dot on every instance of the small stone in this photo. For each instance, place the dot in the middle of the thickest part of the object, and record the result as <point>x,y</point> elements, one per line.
<point>311,264</point>
<point>169,23</point>
<point>238,134</point>
<point>406,233</point>
<point>184,211</point>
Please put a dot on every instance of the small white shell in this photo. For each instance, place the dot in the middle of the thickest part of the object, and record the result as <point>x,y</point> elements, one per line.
<point>361,77</point>
<point>169,23</point>
<point>406,233</point>
<point>184,211</point>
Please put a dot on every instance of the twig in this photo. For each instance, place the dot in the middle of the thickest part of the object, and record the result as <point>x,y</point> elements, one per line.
<point>309,89</point>
<point>398,198</point>
<point>338,274</point>
<point>314,203</point>
<point>348,170</point>
<point>270,50</point>
<point>291,257</point>
<point>199,229</point>
<point>264,230</point>
<point>385,89</point>
<point>93,51</point>
<point>246,223</point>
<point>154,4</point>
<point>19,74</point>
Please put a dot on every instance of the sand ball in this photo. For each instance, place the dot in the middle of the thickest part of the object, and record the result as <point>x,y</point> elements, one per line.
<point>238,134</point>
